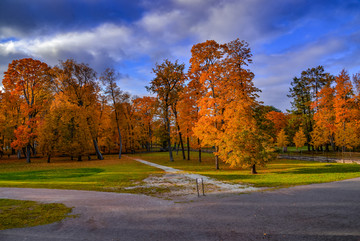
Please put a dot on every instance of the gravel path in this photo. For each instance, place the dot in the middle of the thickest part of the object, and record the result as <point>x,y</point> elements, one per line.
<point>329,211</point>
<point>182,185</point>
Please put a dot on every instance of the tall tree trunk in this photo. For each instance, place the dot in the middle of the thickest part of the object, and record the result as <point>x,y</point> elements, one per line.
<point>253,169</point>
<point>199,150</point>
<point>169,134</point>
<point>181,143</point>
<point>343,147</point>
<point>33,149</point>
<point>97,151</point>
<point>217,159</point>
<point>28,153</point>
<point>19,154</point>
<point>150,142</point>
<point>48,159</point>
<point>79,158</point>
<point>188,147</point>
<point>332,143</point>
<point>120,140</point>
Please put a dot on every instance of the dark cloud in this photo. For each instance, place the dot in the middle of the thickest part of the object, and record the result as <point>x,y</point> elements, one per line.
<point>39,17</point>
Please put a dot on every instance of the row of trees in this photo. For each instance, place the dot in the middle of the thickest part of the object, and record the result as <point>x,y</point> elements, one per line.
<point>217,105</point>
<point>325,111</point>
<point>68,109</point>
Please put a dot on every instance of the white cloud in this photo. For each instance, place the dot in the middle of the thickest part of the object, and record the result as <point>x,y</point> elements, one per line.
<point>274,72</point>
<point>110,40</point>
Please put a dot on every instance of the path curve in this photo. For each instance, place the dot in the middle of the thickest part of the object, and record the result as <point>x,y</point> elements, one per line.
<point>186,183</point>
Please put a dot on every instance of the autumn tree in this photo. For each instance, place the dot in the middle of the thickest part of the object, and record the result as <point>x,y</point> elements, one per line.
<point>299,138</point>
<point>28,81</point>
<point>129,124</point>
<point>167,84</point>
<point>304,92</point>
<point>282,140</point>
<point>279,120</point>
<point>108,136</point>
<point>11,117</point>
<point>324,118</point>
<point>146,110</point>
<point>191,95</point>
<point>227,106</point>
<point>343,108</point>
<point>76,82</point>
<point>205,65</point>
<point>188,111</point>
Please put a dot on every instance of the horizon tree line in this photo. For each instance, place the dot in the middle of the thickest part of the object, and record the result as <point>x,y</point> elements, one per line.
<point>69,109</point>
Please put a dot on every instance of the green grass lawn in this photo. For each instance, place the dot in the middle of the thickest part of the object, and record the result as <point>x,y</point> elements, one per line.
<point>20,214</point>
<point>116,175</point>
<point>111,174</point>
<point>278,173</point>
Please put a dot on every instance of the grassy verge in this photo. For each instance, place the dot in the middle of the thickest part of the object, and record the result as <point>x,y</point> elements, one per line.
<point>278,173</point>
<point>20,214</point>
<point>111,174</point>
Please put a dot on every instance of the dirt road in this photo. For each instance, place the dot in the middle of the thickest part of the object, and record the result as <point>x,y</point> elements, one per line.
<point>328,211</point>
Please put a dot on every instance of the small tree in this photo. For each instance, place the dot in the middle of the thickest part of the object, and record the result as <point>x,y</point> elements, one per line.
<point>299,138</point>
<point>282,140</point>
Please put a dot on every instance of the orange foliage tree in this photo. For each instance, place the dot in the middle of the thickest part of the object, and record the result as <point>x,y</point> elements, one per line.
<point>205,66</point>
<point>146,109</point>
<point>77,86</point>
<point>344,111</point>
<point>226,116</point>
<point>28,81</point>
<point>324,118</point>
<point>279,119</point>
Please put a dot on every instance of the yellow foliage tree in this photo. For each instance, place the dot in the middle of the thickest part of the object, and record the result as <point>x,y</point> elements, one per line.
<point>347,136</point>
<point>299,138</point>
<point>77,86</point>
<point>282,140</point>
<point>343,109</point>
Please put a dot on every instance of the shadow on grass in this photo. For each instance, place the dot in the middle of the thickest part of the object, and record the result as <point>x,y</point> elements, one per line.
<point>49,174</point>
<point>231,177</point>
<point>348,168</point>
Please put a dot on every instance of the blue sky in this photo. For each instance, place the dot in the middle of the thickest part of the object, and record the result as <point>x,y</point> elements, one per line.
<point>286,36</point>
